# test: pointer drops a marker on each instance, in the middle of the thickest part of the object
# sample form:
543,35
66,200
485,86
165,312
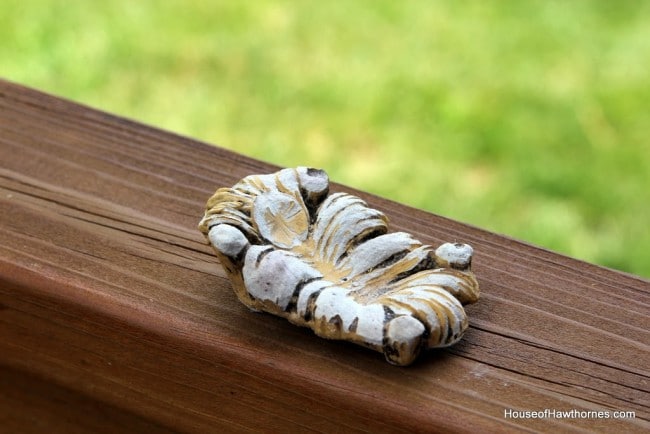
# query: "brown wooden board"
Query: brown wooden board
114,312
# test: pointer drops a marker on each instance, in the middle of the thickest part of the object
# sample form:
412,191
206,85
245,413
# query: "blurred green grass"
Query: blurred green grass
525,118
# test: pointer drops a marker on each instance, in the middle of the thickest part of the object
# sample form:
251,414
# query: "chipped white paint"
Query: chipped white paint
327,262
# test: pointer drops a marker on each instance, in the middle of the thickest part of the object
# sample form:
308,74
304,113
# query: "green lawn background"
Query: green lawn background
525,118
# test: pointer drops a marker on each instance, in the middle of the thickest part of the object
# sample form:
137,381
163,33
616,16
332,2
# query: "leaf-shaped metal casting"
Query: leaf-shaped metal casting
328,262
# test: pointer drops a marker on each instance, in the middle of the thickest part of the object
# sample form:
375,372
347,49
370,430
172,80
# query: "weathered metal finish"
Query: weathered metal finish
328,262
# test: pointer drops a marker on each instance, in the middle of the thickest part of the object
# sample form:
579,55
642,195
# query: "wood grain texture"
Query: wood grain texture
112,303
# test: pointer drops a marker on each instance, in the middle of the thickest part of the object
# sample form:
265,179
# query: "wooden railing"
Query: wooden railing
115,316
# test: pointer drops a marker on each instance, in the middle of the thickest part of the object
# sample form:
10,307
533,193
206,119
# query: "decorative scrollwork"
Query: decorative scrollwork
327,262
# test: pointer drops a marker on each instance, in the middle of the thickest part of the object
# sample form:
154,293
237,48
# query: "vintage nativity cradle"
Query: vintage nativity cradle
327,262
